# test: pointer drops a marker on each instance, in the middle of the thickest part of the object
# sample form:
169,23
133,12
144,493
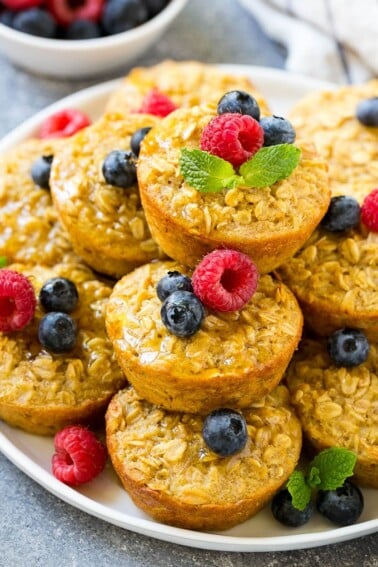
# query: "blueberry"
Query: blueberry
277,130
367,111
182,313
119,169
57,332
82,29
122,15
40,171
285,513
137,138
343,214
35,22
173,281
155,6
6,17
241,102
59,294
342,506
348,347
225,432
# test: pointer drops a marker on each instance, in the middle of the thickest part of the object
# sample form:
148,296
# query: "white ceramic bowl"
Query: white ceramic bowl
85,58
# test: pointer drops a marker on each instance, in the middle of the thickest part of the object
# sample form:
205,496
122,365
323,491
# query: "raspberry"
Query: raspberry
225,280
21,4
63,124
233,137
67,11
157,103
79,456
17,300
369,211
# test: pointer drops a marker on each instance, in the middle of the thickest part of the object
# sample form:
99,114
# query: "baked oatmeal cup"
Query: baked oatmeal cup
233,360
30,232
337,406
185,83
335,279
335,275
41,391
329,120
106,223
171,474
268,224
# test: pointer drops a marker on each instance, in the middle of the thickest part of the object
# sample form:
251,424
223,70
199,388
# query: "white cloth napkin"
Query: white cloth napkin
334,40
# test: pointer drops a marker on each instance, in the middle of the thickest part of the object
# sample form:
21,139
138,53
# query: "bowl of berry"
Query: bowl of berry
81,38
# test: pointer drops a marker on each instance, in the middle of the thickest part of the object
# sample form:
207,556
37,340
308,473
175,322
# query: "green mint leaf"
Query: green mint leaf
3,261
207,173
334,466
270,164
299,490
313,477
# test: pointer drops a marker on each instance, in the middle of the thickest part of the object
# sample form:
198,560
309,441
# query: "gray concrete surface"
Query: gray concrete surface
36,528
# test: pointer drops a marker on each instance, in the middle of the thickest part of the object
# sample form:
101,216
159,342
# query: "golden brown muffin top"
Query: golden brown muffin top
30,375
255,213
238,341
166,450
336,403
30,232
328,119
108,218
186,83
341,269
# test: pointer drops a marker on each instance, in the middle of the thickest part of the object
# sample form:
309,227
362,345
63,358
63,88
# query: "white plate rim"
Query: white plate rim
143,526
172,534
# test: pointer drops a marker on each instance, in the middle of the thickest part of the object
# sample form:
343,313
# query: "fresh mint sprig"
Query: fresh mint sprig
3,261
207,173
211,174
299,490
270,164
327,471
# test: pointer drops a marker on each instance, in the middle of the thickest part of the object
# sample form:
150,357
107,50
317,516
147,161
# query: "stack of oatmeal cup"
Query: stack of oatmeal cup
198,232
